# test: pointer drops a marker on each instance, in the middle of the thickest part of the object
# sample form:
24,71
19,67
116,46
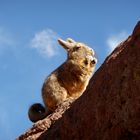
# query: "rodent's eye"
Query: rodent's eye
86,62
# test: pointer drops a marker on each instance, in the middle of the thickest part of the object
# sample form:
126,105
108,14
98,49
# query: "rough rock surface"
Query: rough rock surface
110,107
43,125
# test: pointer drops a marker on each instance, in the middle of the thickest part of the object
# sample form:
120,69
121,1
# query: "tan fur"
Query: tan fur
71,78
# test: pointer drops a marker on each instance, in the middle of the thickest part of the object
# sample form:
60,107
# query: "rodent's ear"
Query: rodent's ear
70,40
66,45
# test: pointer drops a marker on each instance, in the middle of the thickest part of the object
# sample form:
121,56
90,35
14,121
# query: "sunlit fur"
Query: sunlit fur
71,78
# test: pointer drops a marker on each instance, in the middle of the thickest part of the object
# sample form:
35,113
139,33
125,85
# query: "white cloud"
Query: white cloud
45,42
114,40
6,40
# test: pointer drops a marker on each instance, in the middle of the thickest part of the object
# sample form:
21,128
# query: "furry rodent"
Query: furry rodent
68,81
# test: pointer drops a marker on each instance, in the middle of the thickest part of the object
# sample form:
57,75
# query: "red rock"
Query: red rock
110,107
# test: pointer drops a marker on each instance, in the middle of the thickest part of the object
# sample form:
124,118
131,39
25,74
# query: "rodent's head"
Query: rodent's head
80,53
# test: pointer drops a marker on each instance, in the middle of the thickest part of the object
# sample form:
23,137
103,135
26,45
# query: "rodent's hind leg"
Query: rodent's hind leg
53,100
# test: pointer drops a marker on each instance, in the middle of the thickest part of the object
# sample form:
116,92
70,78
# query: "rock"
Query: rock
41,126
110,107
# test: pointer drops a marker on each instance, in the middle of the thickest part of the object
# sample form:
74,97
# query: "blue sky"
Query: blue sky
29,51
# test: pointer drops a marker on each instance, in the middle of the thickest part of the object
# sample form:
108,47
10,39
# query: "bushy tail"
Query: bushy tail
37,112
